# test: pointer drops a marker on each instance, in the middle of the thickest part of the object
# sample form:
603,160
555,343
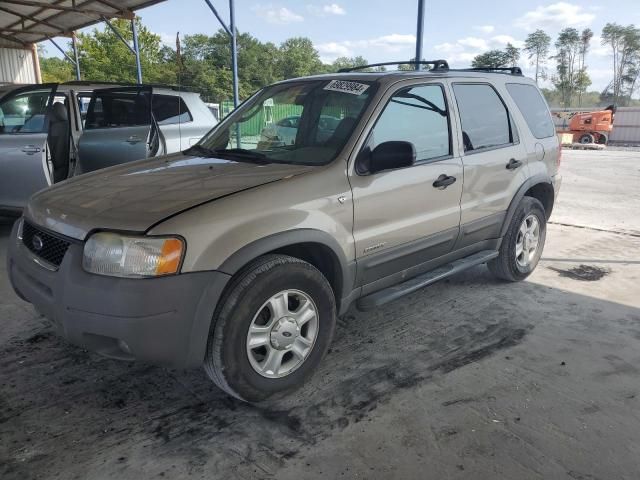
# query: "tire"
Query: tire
509,266
586,139
602,139
248,303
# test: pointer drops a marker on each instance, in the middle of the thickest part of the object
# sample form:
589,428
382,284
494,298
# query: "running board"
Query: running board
389,294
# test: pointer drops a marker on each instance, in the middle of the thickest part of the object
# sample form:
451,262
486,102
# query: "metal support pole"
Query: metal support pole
419,33
61,50
136,49
117,34
74,43
234,52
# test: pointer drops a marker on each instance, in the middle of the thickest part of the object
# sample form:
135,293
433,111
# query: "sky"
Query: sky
455,30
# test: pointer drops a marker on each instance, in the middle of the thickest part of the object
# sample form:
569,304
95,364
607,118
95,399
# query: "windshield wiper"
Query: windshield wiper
239,154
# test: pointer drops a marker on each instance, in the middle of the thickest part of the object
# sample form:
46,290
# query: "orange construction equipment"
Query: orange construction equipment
589,127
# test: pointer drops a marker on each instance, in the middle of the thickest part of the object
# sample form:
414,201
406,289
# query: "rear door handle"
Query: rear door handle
513,164
31,149
134,139
444,181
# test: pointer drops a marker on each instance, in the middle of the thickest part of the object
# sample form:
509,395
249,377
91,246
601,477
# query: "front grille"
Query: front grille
44,245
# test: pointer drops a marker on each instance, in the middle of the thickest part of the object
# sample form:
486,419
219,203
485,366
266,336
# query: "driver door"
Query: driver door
23,140
119,128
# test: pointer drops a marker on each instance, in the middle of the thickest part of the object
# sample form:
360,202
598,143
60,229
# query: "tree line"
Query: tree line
570,75
203,62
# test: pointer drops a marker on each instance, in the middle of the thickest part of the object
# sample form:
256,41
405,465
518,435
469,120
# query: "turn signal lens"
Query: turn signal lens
170,257
116,255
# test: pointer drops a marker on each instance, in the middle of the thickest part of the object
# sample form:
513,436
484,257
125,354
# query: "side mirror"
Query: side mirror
391,155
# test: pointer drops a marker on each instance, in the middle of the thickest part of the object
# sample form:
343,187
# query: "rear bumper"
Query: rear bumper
161,320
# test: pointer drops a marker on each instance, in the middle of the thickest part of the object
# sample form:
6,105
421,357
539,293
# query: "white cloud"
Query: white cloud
484,28
332,50
277,15
463,50
500,41
396,43
328,9
168,39
474,43
598,49
556,15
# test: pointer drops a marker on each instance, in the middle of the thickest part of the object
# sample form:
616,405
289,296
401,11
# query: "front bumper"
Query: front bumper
161,320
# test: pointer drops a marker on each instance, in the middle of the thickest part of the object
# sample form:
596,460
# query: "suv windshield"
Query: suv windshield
305,123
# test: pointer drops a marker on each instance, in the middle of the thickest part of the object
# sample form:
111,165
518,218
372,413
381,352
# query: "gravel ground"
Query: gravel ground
470,378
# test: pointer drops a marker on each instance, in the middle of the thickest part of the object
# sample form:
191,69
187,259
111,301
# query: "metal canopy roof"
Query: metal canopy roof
23,22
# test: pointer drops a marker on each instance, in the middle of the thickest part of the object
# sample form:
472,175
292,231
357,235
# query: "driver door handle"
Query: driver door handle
30,149
134,139
513,164
444,181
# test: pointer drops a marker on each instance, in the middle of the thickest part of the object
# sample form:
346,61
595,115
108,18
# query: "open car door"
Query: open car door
118,128
24,120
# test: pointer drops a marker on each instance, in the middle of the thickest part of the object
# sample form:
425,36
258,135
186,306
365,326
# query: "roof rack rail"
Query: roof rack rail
177,88
437,65
510,70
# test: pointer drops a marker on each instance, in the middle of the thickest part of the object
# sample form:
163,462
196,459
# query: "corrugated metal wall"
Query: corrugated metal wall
626,124
16,66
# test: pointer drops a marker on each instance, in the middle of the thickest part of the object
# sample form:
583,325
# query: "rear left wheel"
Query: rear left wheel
272,328
523,243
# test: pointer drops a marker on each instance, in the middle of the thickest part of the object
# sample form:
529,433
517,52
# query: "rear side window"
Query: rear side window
117,109
418,115
533,108
169,109
484,117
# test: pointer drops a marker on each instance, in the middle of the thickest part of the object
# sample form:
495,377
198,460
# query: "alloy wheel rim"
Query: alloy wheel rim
282,333
527,241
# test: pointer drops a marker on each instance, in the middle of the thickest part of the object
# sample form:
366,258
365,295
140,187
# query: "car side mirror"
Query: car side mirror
391,155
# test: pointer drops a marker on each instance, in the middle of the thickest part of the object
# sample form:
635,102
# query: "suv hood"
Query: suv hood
135,196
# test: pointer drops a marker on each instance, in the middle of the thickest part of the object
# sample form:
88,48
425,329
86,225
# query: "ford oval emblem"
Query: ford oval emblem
37,242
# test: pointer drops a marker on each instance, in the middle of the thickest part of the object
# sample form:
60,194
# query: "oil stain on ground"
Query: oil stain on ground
584,273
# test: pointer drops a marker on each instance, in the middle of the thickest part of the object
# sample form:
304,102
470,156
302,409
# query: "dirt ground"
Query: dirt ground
470,378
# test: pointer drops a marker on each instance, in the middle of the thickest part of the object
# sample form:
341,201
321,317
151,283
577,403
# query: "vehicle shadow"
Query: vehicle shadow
70,412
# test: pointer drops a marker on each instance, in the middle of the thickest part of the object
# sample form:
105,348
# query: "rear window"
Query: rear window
117,109
168,109
484,117
533,108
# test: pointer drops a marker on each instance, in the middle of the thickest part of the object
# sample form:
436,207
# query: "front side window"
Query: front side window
24,112
305,123
168,109
484,117
418,115
533,108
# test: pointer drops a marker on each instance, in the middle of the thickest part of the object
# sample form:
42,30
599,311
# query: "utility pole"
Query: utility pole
419,33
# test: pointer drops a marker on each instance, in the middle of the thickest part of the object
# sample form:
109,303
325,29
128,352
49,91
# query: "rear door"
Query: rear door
494,159
23,138
118,128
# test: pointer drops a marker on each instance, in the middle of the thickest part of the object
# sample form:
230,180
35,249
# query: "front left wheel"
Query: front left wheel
272,328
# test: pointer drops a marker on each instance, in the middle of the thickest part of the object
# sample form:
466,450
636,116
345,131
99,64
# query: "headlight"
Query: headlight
118,255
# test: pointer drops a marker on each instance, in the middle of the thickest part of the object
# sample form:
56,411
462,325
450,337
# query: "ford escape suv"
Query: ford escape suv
238,254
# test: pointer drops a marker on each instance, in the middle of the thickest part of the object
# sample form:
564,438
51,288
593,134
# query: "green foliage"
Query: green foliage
537,47
493,59
56,70
104,57
204,64
624,42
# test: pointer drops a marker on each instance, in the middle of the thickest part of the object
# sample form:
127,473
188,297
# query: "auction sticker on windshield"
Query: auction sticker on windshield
344,86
